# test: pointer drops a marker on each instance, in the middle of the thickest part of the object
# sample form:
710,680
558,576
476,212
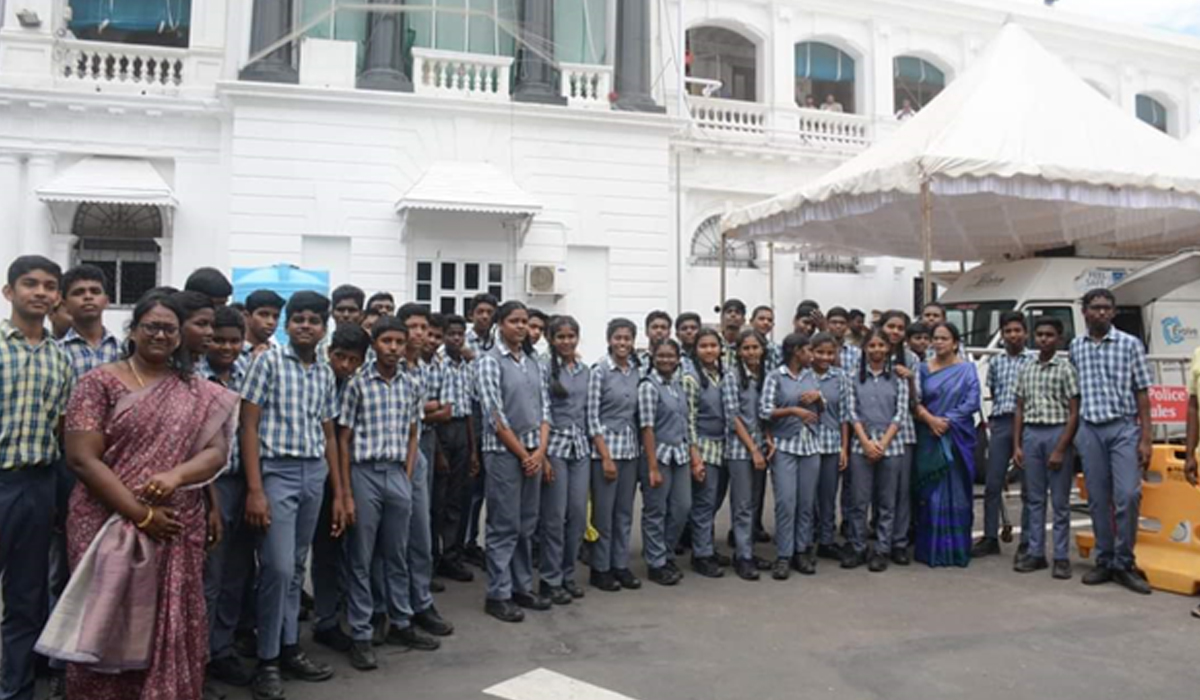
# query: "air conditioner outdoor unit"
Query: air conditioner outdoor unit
544,279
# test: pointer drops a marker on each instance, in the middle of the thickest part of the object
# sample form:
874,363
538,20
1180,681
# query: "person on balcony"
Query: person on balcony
831,104
810,102
906,111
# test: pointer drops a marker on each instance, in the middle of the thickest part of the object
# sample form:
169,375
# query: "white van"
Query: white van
1158,301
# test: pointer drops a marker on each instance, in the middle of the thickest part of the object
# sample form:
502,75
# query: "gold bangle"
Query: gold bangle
146,521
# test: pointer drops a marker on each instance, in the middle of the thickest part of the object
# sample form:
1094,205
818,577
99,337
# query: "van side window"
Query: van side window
1066,314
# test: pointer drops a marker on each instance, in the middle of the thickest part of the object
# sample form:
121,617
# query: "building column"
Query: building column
384,65
37,226
10,201
883,92
272,20
632,65
535,72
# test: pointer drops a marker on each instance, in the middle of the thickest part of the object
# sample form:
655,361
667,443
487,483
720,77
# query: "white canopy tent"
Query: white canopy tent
1016,156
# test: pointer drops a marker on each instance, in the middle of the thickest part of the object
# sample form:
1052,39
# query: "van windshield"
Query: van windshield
978,321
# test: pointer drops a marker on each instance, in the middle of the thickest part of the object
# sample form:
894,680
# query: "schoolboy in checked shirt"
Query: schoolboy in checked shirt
36,378
377,438
288,447
231,561
456,438
1003,371
1045,423
1113,438
420,533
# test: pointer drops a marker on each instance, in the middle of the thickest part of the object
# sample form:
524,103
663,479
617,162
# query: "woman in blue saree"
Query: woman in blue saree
944,469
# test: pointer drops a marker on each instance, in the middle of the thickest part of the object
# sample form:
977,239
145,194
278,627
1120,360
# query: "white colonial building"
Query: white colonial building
539,149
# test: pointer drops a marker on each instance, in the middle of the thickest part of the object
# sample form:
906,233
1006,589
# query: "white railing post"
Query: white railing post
585,85
454,74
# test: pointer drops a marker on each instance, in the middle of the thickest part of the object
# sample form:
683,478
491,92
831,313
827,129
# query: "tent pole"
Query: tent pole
771,271
927,242
724,242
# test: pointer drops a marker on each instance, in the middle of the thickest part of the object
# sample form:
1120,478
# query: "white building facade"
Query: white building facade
540,149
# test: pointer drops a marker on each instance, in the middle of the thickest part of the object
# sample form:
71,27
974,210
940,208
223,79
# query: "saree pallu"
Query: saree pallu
146,432
944,467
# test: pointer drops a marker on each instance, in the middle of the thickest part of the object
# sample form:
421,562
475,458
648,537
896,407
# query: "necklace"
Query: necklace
136,376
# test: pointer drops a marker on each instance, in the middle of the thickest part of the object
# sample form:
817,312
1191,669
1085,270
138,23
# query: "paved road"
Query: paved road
916,633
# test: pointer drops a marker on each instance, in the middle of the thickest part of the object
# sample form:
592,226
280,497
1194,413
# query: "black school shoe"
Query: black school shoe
805,563
556,594
605,581
900,556
455,571
504,610
530,601
268,682
661,575
432,622
413,638
781,570
829,551
879,563
1028,564
762,564
295,663
852,559
1062,569
707,567
745,569
721,559
362,656
626,578
573,588
1132,580
1098,575
985,547
230,671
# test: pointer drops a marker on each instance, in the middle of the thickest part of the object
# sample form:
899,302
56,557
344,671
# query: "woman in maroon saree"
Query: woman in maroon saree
141,434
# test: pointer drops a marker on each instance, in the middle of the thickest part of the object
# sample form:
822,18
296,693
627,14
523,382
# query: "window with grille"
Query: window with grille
121,240
447,286
706,247
837,264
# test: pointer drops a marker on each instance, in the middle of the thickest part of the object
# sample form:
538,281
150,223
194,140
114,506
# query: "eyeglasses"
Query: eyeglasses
1102,308
163,329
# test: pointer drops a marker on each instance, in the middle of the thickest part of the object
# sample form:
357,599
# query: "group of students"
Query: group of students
375,447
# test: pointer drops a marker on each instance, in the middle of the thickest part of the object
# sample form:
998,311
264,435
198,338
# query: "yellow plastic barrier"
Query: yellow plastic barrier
1168,543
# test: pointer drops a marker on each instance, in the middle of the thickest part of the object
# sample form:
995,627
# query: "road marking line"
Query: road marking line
1049,526
544,684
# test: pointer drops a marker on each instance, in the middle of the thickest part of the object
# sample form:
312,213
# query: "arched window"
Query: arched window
706,247
1152,112
720,54
825,74
120,239
916,80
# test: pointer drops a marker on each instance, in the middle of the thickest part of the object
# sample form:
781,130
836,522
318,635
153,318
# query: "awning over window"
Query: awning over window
915,70
110,181
130,15
818,61
470,187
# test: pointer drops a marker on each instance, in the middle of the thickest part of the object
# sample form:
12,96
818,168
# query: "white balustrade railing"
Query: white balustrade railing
586,85
834,129
100,65
449,73
731,116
